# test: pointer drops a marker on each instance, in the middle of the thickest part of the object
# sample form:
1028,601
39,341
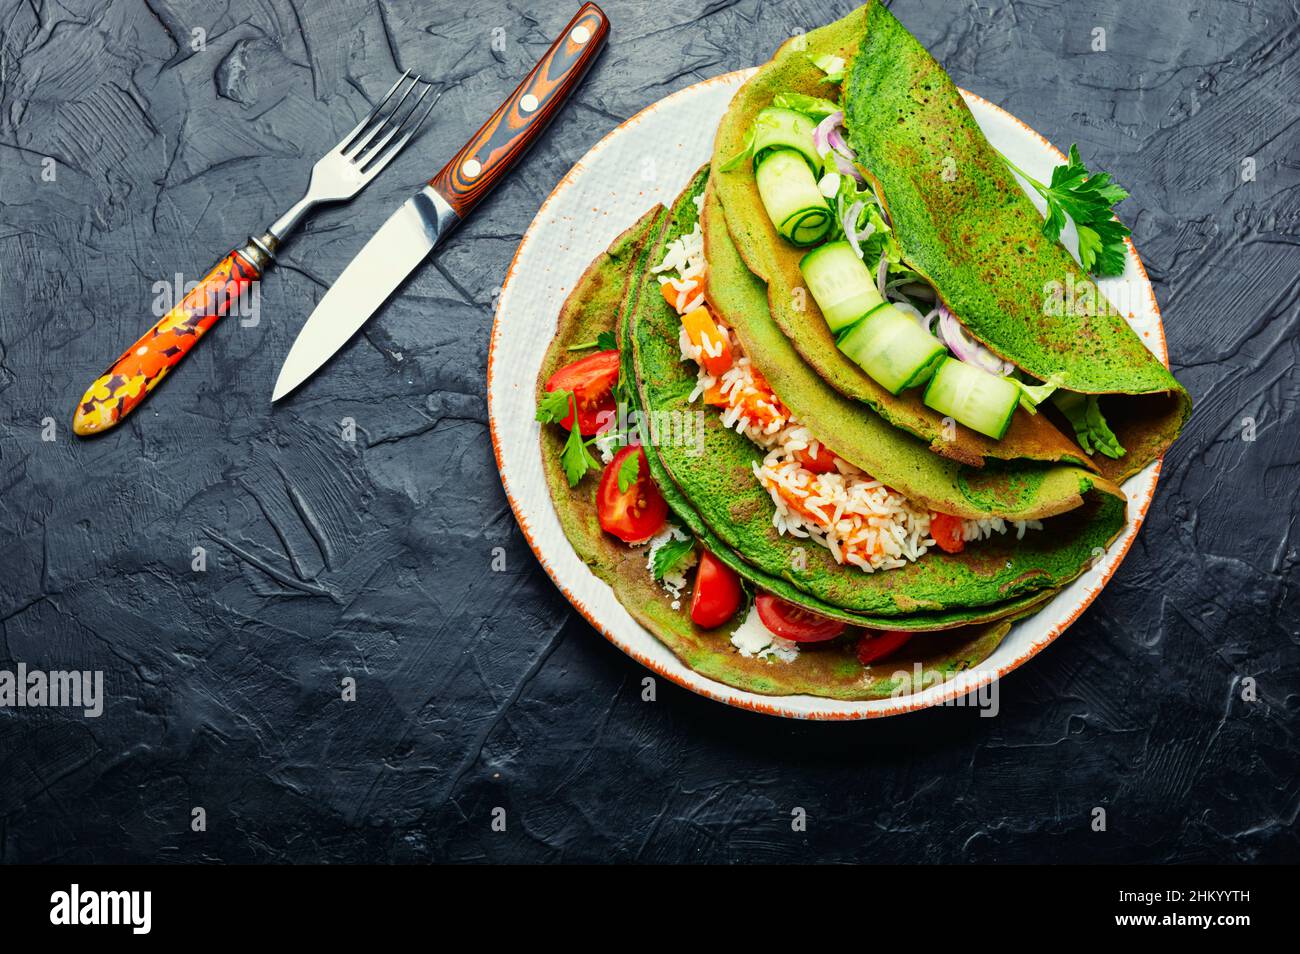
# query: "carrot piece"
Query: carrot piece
699,323
704,334
670,294
713,395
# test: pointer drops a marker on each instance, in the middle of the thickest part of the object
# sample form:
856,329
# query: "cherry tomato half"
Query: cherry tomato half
636,514
874,646
591,380
794,622
946,531
717,592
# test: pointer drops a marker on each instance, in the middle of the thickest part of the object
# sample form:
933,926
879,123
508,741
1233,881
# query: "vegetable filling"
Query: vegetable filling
818,495
817,197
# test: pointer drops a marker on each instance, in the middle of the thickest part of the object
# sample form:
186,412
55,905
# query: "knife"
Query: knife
429,216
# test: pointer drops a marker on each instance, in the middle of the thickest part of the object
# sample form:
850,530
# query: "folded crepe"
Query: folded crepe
1082,511
974,237
960,606
601,301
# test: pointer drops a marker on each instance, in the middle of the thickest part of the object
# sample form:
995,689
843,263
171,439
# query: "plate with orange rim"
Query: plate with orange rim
649,159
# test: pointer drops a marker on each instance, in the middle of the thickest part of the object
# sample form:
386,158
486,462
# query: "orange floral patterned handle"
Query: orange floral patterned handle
120,389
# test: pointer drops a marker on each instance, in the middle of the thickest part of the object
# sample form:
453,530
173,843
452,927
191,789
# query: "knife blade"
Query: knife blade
429,216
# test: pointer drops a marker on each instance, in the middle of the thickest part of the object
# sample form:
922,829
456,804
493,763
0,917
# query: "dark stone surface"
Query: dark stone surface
371,559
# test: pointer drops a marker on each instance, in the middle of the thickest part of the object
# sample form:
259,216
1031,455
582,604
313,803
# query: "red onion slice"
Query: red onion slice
835,138
868,230
966,348
827,138
917,290
847,168
821,135
850,224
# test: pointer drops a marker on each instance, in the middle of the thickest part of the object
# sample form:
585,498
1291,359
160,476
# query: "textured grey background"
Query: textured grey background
481,689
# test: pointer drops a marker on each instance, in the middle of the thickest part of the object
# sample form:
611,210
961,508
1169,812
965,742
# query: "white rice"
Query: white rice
607,445
751,638
746,400
685,257
675,581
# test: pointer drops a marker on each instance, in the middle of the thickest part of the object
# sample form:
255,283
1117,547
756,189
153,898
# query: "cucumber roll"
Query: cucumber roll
981,400
840,283
790,194
892,348
776,128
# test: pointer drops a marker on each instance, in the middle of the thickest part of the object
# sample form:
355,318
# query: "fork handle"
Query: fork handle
127,382
517,124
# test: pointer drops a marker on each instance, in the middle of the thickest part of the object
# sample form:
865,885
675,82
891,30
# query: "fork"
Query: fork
339,175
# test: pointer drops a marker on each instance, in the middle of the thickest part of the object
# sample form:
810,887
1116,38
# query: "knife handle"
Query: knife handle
119,390
516,125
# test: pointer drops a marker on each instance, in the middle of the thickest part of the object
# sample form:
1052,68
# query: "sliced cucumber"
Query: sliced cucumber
776,128
790,194
981,400
841,284
892,348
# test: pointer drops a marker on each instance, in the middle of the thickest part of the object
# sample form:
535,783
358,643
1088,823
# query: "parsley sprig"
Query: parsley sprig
628,471
605,341
554,406
671,555
1087,198
576,460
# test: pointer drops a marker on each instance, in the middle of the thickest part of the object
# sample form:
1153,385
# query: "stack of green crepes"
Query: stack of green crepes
915,198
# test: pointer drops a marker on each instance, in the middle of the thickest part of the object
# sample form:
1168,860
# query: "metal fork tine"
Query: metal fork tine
349,141
376,149
367,141
376,163
391,125
346,169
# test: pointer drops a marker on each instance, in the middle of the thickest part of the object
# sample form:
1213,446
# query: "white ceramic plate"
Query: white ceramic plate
649,159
